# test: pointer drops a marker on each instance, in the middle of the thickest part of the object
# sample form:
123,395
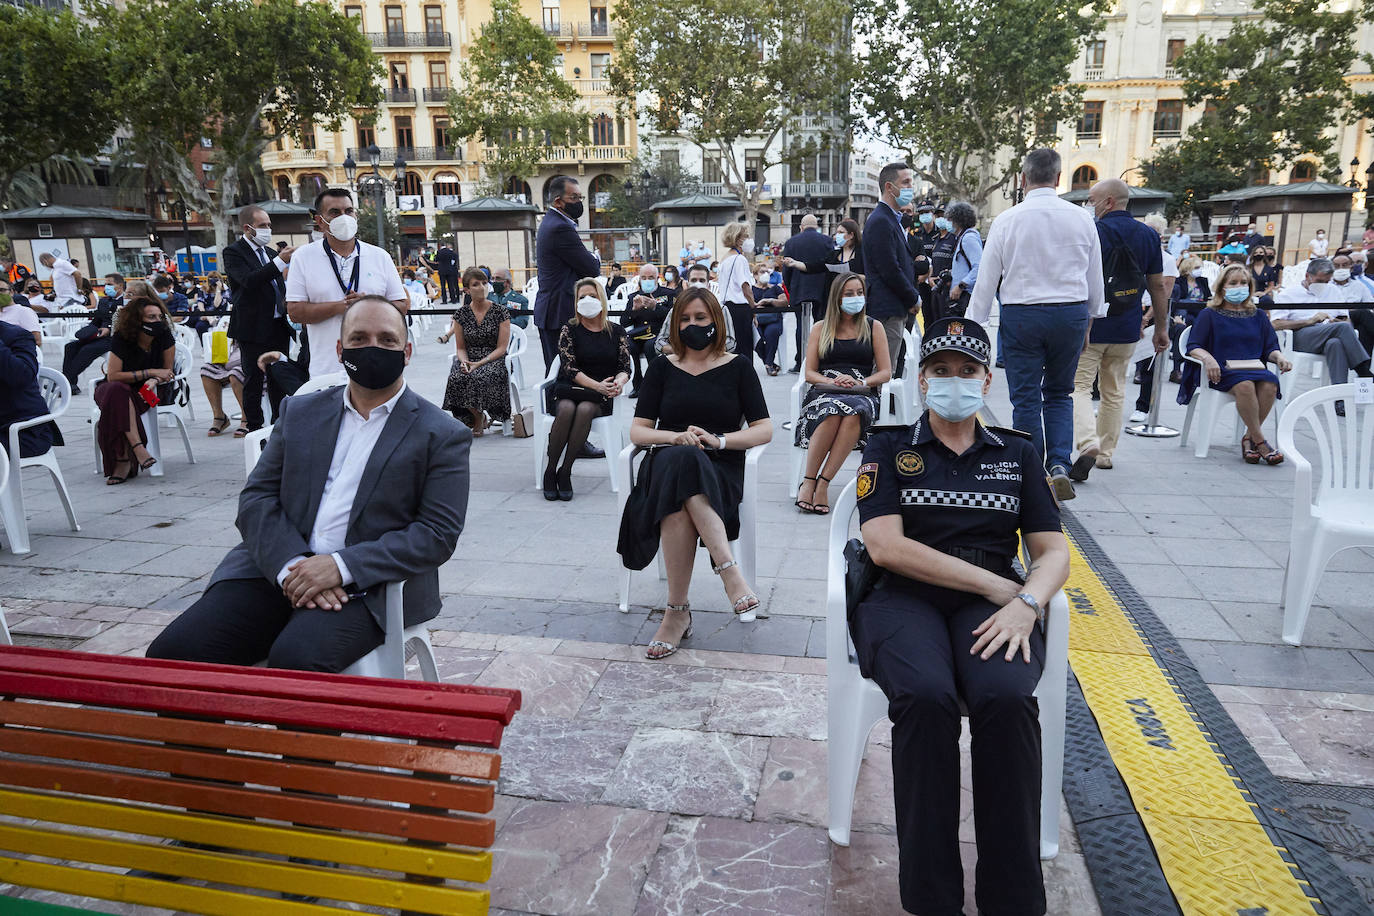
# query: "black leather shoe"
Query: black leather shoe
565,490
550,484
590,451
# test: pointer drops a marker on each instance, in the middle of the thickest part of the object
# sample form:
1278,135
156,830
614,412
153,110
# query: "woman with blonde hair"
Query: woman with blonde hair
593,367
734,279
1233,339
847,361
699,410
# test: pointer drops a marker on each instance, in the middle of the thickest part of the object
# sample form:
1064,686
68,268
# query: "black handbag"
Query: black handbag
860,575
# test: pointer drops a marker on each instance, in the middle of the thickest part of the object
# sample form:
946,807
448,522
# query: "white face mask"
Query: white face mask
343,227
1318,289
747,247
1342,275
589,306
761,279
698,284
263,237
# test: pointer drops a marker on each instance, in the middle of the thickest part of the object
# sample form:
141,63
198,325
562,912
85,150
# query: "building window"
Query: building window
1303,171
308,137
753,159
600,22
438,74
823,165
1168,118
400,75
669,159
395,25
1090,124
600,63
558,65
603,131
1097,53
1262,177
550,8
412,187
710,171
283,188
1172,50
1083,178
441,138
405,132
446,185
620,131
434,20
356,14
367,135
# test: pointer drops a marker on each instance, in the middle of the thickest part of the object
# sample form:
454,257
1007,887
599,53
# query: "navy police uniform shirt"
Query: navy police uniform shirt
978,500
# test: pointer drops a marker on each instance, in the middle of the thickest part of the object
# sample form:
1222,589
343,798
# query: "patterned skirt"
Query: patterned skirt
819,406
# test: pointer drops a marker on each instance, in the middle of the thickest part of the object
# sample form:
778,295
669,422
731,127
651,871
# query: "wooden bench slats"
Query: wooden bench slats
378,692
234,800
243,871
262,771
447,761
382,855
176,896
342,717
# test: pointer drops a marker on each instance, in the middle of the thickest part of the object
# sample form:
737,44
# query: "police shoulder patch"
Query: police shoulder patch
867,479
910,464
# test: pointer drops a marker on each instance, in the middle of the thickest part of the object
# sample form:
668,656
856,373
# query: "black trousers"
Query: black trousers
640,347
448,287
1363,320
79,354
284,378
254,379
742,322
243,621
914,642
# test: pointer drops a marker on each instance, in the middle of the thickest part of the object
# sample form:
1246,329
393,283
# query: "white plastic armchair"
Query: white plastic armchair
1333,509
744,550
1207,401
855,703
57,392
613,431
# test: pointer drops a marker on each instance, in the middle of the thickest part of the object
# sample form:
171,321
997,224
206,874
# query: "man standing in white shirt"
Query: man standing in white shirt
1179,242
327,277
1044,260
66,281
1325,331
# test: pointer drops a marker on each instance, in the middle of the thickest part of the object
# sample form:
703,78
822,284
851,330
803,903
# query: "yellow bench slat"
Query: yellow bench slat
218,831
224,868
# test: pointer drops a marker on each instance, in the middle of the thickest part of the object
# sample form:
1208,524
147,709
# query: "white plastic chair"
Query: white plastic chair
57,392
4,483
1207,401
253,445
744,549
1334,512
321,382
150,424
176,413
531,288
612,430
855,703
1304,363
516,350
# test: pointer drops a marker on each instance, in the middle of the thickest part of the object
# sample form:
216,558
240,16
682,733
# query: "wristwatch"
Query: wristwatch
720,441
1034,605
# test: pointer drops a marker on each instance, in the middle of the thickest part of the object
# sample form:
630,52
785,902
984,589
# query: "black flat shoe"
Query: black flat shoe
550,486
565,490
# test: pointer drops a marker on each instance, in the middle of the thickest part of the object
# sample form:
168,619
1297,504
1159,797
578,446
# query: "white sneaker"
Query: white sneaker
1139,416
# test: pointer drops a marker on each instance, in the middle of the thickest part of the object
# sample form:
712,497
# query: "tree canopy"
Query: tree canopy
651,180
513,98
241,73
56,101
959,83
729,74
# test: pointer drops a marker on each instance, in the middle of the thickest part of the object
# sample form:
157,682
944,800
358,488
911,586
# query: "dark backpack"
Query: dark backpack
1122,279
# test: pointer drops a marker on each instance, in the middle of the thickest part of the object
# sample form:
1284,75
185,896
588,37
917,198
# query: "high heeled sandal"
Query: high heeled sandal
1274,457
804,504
821,508
1248,451
144,465
746,606
668,648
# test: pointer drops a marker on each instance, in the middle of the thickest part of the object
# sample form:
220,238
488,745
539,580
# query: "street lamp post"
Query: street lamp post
648,191
375,185
180,208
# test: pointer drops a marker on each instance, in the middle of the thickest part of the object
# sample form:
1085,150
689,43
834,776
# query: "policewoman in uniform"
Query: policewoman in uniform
940,505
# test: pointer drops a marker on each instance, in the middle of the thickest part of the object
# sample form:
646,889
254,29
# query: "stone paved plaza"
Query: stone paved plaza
697,784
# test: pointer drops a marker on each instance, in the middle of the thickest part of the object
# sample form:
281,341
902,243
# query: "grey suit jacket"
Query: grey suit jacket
406,517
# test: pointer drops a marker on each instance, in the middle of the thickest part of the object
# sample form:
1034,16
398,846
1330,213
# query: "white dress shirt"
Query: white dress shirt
1300,294
1042,251
64,281
352,449
1351,291
312,279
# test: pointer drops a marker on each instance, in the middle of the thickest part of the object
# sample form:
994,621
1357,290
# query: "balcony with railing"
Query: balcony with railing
410,39
297,157
1170,72
816,189
592,88
818,123
389,154
1094,73
400,96
438,95
595,29
564,154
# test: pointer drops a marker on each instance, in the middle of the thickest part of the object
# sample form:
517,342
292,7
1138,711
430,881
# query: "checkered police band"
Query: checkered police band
912,496
978,349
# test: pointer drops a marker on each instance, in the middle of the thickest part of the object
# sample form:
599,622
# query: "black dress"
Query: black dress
113,398
719,400
488,387
598,354
853,358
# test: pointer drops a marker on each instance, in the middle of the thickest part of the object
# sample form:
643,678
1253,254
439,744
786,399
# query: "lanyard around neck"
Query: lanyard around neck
352,285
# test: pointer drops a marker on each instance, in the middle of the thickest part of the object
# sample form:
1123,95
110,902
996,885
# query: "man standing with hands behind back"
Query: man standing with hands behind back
891,270
326,278
257,284
562,260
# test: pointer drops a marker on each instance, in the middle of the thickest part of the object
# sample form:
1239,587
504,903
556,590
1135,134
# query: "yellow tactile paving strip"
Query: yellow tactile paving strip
1216,855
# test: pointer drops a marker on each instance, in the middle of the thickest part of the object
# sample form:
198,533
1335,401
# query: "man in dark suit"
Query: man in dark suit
258,321
93,341
562,260
446,263
891,274
20,397
803,287
359,486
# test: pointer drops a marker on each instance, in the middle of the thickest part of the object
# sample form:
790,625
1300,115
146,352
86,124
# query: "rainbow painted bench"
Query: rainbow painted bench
225,790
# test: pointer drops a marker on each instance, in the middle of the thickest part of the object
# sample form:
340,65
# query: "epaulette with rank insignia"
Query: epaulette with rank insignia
1008,430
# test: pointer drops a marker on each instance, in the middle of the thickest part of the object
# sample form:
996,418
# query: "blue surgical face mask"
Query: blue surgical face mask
942,224
926,219
164,295
954,399
852,305
1236,294
647,286
109,290
905,196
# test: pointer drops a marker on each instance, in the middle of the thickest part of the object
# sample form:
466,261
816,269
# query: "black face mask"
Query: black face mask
573,209
698,336
151,328
907,220
497,286
374,367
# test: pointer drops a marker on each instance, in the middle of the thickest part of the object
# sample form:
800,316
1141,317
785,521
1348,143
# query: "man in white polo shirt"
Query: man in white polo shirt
66,280
327,276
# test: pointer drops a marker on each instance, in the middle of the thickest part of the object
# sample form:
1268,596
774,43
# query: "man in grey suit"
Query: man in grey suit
359,486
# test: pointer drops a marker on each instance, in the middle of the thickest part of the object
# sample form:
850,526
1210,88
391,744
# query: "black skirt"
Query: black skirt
668,477
567,391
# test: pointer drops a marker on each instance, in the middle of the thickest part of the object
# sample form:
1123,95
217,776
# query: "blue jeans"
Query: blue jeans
1042,345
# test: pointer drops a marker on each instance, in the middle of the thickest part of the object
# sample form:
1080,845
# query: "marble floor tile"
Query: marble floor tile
1281,696
573,860
123,639
863,877
689,772
462,666
711,865
1335,744
559,759
59,626
795,787
647,693
770,703
550,685
743,661
1278,755
1069,886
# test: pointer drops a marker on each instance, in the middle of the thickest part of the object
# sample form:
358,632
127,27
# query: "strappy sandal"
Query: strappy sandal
1248,451
1274,457
821,508
746,606
219,426
658,649
805,504
149,462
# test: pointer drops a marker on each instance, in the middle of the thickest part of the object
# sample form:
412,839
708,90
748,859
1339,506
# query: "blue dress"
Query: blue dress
1229,335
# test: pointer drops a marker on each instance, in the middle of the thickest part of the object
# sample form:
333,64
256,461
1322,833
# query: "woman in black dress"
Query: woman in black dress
847,361
593,367
478,384
847,257
699,410
142,353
